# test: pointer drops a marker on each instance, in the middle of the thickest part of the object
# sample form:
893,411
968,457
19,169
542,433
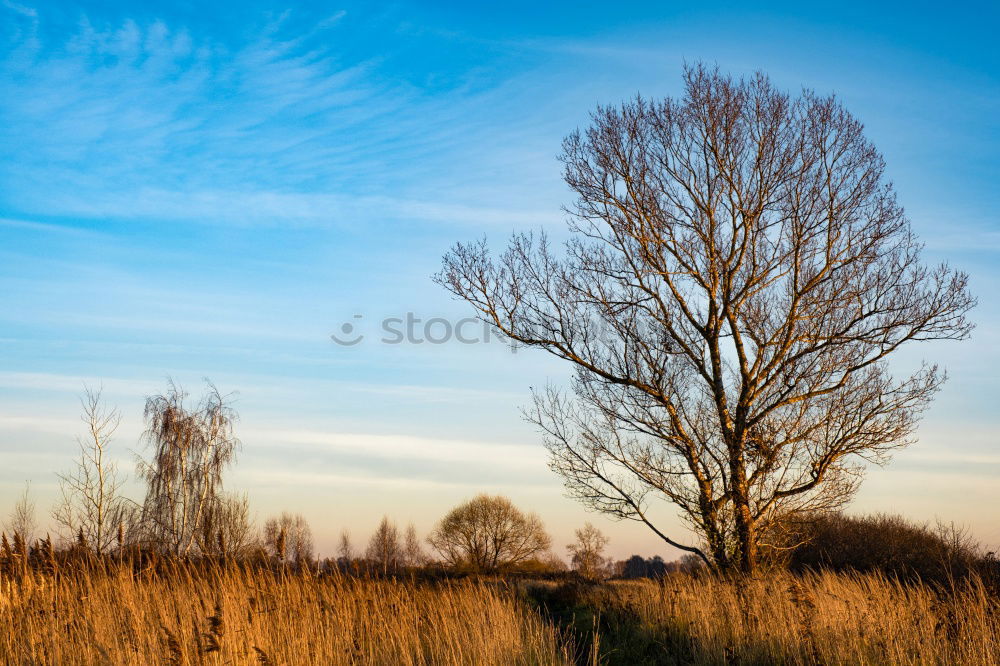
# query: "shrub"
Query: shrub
883,543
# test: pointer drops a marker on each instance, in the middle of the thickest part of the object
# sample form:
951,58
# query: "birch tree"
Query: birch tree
90,503
191,448
384,548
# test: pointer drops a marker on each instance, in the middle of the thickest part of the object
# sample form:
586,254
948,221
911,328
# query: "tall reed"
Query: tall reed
225,615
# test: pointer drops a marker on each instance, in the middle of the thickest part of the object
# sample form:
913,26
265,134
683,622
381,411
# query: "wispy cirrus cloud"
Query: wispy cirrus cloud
152,121
257,207
44,227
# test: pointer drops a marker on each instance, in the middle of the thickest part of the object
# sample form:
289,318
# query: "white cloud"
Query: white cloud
41,424
47,228
68,383
24,10
255,207
293,479
957,457
404,447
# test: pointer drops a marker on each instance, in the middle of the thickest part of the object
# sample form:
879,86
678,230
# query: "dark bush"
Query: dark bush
887,544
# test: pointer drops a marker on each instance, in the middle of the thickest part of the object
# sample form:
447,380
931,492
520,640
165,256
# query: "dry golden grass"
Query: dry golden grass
186,615
259,617
780,619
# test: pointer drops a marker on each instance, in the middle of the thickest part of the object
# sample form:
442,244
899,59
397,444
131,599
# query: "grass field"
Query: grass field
779,619
262,617
227,615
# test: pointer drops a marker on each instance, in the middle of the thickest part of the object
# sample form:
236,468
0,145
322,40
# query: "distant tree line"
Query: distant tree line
187,513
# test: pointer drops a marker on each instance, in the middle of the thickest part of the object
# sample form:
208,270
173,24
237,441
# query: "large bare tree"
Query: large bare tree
738,275
192,446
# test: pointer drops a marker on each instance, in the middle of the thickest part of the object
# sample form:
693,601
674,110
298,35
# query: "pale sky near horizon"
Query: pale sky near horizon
195,190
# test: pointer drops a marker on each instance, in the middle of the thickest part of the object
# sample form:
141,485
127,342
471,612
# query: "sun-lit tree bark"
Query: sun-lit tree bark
738,275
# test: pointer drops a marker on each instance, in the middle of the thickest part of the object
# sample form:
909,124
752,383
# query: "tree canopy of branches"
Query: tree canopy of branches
488,533
90,508
738,275
192,447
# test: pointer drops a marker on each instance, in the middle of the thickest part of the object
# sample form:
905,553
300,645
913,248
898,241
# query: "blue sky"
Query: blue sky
211,190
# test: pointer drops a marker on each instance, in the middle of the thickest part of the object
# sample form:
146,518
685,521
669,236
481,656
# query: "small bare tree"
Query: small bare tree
227,529
413,552
192,447
489,533
21,522
90,503
384,549
587,552
289,536
345,549
738,277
